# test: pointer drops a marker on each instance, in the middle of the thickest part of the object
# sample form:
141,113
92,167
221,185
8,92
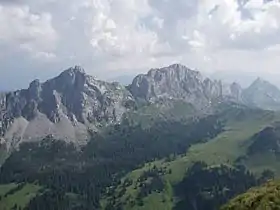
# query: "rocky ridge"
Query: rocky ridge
179,82
71,104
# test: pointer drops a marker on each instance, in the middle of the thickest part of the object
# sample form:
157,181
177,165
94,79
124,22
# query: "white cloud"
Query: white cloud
28,31
116,27
117,36
227,28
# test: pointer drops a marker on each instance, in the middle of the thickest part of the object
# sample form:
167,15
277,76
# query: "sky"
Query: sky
111,38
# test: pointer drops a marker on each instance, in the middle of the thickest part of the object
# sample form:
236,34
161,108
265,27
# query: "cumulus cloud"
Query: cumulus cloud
22,29
116,27
121,36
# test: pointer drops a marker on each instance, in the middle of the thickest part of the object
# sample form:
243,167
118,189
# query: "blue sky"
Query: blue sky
40,38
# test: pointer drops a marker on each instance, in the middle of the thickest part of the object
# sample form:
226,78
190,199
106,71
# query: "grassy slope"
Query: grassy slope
260,162
225,148
21,197
266,197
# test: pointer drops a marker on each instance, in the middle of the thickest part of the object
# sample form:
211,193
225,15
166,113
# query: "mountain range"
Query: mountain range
173,139
74,103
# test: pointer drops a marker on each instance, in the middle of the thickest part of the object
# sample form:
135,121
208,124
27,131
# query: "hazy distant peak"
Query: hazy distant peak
258,80
263,84
263,94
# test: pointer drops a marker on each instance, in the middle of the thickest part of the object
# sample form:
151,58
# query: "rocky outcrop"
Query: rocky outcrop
236,92
66,107
232,92
179,82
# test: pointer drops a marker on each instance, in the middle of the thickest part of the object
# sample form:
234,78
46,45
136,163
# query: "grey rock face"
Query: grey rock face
262,94
179,82
66,106
236,91
173,81
233,92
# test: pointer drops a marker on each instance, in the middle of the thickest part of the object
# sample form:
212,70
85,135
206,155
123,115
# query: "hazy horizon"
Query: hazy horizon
244,79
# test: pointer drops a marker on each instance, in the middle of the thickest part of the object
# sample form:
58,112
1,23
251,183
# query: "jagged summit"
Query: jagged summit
35,83
66,106
73,72
70,76
178,69
177,82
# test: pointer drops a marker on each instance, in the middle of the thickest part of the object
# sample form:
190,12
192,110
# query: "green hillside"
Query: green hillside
264,150
14,196
266,197
141,163
227,147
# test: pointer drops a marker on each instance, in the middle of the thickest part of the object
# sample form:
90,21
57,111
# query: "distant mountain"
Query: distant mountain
66,106
262,94
243,78
149,145
179,82
73,103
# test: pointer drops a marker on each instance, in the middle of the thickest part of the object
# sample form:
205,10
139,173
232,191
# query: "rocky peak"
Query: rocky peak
176,71
176,82
74,77
35,89
88,99
236,91
73,71
263,86
261,83
34,84
262,94
64,106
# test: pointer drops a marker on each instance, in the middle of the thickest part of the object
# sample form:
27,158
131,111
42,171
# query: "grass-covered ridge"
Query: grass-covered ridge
266,197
